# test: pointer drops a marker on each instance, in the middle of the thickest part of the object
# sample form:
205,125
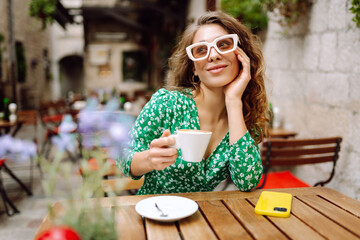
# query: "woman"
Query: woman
215,83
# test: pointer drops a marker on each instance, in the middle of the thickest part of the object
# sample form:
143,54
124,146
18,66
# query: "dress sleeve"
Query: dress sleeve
245,163
150,124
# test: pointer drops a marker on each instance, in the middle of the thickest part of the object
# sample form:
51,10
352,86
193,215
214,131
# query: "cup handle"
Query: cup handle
176,145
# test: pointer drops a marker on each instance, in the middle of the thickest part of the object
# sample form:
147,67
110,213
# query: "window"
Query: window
133,66
20,61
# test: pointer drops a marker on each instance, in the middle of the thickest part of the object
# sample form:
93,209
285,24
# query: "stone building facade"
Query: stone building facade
314,80
35,43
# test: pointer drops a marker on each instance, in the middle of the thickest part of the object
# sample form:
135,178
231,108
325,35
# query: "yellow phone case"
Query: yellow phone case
275,204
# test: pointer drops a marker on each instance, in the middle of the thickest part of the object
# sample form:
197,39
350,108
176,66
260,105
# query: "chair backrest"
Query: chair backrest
29,117
292,152
52,112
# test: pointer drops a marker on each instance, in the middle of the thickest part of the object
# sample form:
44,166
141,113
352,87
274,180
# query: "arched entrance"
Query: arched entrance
71,74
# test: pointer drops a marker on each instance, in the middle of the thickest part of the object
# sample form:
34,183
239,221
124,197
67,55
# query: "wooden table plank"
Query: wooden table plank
292,226
259,226
196,227
323,225
332,211
347,203
221,220
161,230
129,224
208,196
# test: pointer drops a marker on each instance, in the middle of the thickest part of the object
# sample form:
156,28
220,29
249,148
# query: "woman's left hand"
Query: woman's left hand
235,89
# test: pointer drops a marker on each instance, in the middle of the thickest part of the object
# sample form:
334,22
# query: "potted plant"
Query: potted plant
43,10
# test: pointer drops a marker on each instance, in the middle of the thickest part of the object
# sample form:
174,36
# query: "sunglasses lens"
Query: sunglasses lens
226,44
199,51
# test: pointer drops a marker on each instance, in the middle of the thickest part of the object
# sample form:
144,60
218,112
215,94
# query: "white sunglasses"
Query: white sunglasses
201,50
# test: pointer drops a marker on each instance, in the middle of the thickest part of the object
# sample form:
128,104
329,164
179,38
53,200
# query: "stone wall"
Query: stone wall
314,73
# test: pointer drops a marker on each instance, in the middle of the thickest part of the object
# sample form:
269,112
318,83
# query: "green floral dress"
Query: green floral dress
176,110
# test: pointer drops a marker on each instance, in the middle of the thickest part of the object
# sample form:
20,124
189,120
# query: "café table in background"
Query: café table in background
317,213
6,126
281,133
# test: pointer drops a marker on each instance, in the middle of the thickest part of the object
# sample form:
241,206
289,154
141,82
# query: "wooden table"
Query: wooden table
281,133
317,213
5,126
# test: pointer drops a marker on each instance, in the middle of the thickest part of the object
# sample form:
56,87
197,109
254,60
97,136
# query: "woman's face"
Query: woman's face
217,70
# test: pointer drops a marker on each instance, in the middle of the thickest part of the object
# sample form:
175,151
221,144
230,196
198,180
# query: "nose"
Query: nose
214,55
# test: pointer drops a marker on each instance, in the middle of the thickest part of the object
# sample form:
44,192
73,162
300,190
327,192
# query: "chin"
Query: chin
217,85
217,81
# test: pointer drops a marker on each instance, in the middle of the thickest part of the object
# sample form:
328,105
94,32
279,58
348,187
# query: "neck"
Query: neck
210,104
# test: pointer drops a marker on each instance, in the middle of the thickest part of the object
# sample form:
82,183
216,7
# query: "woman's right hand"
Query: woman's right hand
161,155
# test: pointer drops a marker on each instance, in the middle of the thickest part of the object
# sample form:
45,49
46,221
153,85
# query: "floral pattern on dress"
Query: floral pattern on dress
177,110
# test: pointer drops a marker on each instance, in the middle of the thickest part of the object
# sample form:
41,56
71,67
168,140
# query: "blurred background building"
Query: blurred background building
24,57
91,46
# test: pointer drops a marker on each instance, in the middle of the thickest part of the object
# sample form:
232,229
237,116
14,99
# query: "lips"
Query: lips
216,68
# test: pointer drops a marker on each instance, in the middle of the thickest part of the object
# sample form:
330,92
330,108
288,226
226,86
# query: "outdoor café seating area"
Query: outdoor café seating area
244,119
281,149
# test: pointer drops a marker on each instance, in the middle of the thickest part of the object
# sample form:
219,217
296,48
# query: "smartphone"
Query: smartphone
275,204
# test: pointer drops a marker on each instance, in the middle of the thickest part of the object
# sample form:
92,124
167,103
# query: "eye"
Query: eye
225,44
201,49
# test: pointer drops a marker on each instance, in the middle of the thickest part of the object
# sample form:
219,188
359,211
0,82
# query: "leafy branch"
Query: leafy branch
250,12
288,12
43,10
355,9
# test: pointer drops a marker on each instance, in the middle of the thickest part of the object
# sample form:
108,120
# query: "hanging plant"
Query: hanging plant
250,12
288,12
355,9
43,10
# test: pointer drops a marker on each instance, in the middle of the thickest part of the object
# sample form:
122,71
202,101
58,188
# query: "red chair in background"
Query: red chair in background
294,152
51,114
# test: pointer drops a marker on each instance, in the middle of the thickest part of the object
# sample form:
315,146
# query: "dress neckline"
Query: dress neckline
224,139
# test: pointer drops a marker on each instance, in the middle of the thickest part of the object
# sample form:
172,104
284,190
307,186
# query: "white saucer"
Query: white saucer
175,207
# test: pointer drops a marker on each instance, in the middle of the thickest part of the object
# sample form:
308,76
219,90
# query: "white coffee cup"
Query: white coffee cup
193,143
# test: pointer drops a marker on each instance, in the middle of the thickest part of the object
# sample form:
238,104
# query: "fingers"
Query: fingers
161,155
161,158
243,58
245,61
166,133
162,163
163,141
163,152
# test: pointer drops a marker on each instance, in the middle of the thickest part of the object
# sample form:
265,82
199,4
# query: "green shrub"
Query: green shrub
250,12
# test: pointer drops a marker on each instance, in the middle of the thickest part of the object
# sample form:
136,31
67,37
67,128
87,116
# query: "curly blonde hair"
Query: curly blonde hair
180,75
